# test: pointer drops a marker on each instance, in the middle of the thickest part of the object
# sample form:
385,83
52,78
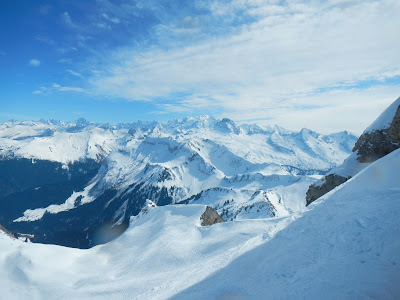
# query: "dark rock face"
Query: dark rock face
330,182
394,129
378,143
210,217
374,145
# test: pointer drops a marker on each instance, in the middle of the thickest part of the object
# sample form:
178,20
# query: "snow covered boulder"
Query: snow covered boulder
210,217
379,139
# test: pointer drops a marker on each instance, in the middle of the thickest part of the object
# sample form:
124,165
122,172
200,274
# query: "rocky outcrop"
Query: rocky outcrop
372,145
210,217
317,190
394,129
377,143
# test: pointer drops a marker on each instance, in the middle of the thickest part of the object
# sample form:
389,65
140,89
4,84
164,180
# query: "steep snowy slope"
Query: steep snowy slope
346,246
97,174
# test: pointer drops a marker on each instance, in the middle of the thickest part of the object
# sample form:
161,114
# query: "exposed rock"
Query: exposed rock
372,145
378,143
394,129
317,190
210,217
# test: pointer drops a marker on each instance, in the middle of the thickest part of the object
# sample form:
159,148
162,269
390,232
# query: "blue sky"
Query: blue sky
326,65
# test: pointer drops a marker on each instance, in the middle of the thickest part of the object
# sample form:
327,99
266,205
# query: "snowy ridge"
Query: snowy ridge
343,247
385,118
68,142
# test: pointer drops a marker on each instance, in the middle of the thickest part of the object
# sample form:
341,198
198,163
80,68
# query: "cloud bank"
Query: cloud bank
300,63
306,58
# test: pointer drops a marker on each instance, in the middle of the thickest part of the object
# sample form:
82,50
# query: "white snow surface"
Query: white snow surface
350,167
345,246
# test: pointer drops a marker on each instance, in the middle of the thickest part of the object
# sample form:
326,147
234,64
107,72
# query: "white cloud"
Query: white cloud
349,109
288,58
70,89
67,19
56,88
65,61
34,62
74,73
111,19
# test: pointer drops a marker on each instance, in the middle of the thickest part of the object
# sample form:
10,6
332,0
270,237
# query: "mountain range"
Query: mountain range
344,245
77,184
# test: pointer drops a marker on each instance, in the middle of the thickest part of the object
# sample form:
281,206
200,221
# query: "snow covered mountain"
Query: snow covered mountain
345,246
77,184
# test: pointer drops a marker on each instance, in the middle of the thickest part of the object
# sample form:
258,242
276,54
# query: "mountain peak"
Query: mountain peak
82,122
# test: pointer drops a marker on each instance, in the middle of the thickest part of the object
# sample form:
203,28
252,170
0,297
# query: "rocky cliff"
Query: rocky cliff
377,143
378,140
329,183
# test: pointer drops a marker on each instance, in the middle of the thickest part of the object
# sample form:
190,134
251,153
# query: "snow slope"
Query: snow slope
346,246
162,252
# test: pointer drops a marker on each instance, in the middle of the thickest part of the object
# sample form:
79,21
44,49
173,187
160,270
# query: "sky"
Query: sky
327,65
